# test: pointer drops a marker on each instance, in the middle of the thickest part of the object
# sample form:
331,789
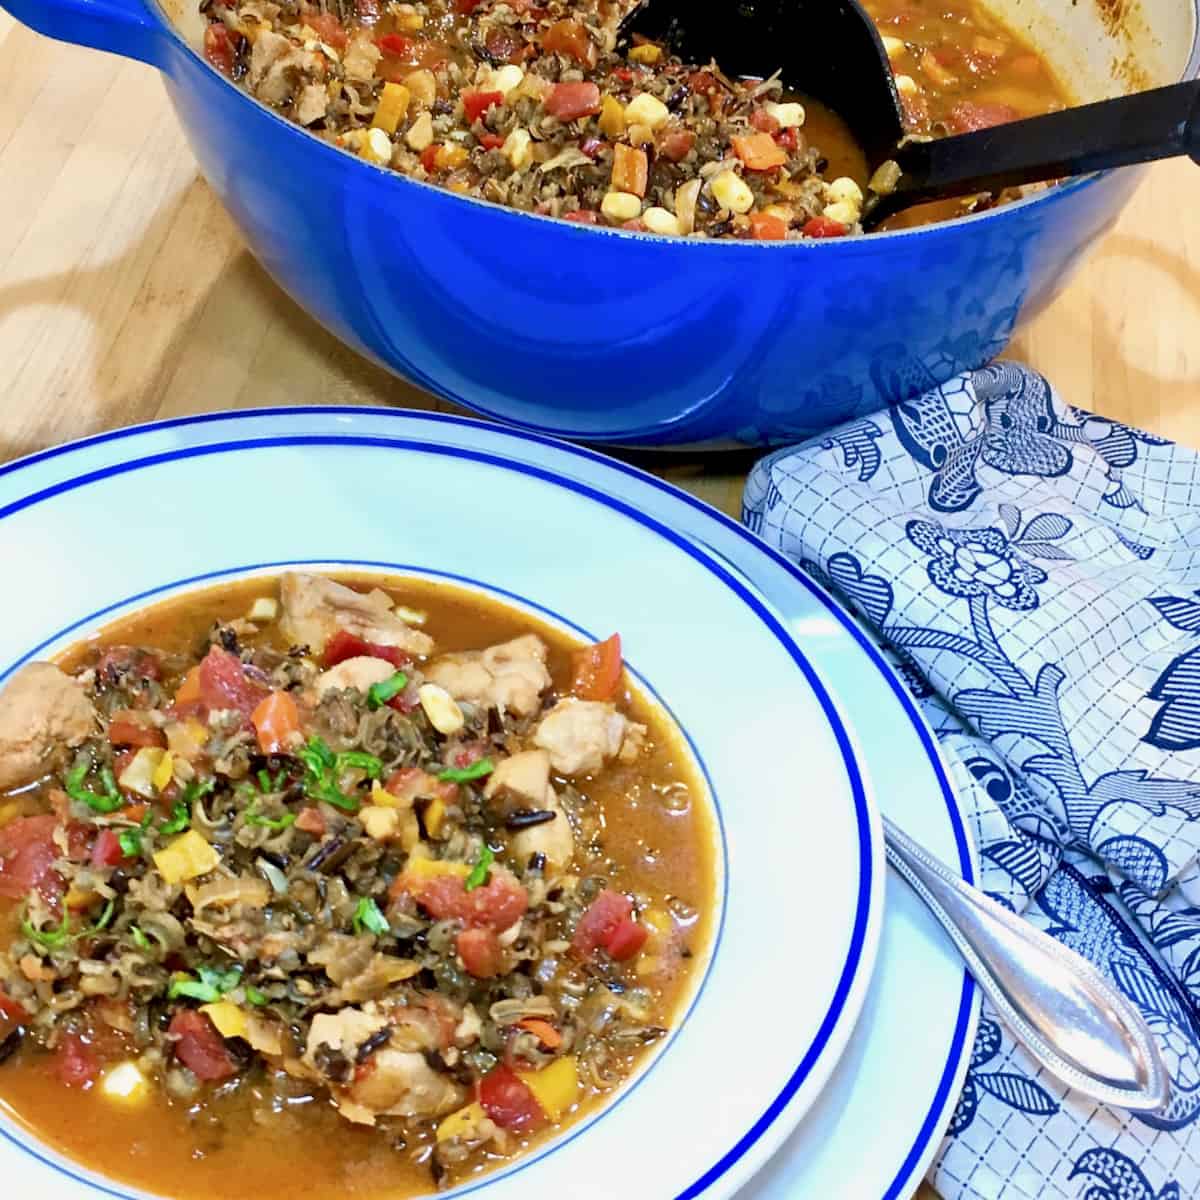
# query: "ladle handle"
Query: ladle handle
1162,123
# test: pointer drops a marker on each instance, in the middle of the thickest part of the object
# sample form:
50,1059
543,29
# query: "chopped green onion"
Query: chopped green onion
479,872
179,819
360,759
105,917
378,694
209,988
107,802
316,756
255,997
322,764
368,916
477,770
264,780
140,940
50,939
130,841
330,793
254,817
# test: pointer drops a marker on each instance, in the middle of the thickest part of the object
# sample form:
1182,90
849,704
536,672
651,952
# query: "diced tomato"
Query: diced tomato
703,82
758,151
470,753
311,821
106,850
504,44
396,44
496,905
583,216
763,121
491,141
476,103
429,157
412,783
608,924
367,10
509,1102
119,662
199,1047
328,28
466,6
219,47
789,139
128,729
570,101
345,645
122,759
634,225
916,110
10,1010
570,38
677,144
767,227
596,669
75,1062
968,116
624,74
276,720
480,952
824,227
626,940
224,683
27,854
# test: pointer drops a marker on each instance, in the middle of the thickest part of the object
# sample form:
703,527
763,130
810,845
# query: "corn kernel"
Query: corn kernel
894,47
906,85
647,53
844,188
789,116
781,211
506,79
640,135
621,206
227,1017
435,816
645,109
164,772
441,708
658,220
381,824
518,148
265,608
420,135
187,857
612,117
141,772
377,147
125,1084
842,211
422,85
731,191
451,155
408,18
393,104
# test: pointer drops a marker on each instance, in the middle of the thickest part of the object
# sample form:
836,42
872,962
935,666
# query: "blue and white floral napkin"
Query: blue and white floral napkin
1036,570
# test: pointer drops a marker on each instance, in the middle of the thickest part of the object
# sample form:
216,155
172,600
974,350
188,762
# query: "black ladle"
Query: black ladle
831,50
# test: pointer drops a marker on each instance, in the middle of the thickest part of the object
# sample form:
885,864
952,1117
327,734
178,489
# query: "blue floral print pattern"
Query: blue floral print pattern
1033,572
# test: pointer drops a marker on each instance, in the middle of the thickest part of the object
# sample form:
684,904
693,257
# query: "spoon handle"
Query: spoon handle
1059,1006
1161,123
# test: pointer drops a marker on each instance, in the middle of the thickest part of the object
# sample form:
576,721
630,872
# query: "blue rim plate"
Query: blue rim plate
113,522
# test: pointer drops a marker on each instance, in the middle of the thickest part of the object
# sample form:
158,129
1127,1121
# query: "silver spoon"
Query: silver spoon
1060,1007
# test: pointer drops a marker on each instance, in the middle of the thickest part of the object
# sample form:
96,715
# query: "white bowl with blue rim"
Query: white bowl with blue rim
113,523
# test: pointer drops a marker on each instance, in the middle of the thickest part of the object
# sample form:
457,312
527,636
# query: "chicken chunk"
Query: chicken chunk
357,673
582,735
315,608
312,103
274,64
341,1032
520,781
400,1083
41,710
510,676
554,839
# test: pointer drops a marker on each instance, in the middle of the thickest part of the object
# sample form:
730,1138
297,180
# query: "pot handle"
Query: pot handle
126,27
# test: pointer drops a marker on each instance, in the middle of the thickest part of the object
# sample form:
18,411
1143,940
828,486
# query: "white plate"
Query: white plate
115,521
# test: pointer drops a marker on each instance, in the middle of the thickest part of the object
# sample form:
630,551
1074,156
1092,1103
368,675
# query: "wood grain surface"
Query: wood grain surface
126,294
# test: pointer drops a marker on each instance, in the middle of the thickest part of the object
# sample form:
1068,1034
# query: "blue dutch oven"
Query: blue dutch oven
607,336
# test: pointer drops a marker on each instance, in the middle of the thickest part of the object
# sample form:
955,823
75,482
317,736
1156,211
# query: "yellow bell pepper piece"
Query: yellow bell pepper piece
227,1017
188,857
435,816
646,53
435,868
612,117
393,104
460,1123
142,770
164,772
556,1087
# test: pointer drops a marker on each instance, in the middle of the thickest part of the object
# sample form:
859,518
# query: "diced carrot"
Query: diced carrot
189,689
631,169
276,720
767,227
597,669
759,151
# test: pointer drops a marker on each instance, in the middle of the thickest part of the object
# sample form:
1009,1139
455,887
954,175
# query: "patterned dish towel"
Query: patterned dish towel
1035,572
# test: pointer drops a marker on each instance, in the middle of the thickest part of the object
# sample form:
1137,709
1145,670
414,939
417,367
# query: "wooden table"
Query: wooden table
126,293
